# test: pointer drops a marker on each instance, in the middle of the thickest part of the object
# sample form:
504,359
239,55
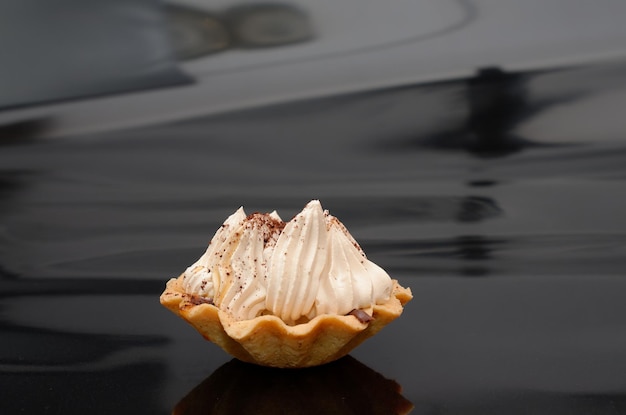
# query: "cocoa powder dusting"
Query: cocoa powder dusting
269,226
333,221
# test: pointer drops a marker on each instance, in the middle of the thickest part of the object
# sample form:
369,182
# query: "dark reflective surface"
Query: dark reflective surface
345,386
516,260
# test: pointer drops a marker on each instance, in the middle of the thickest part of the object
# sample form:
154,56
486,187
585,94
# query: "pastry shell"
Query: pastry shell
268,341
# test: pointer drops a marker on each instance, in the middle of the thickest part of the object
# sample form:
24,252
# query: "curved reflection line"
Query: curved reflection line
469,15
344,386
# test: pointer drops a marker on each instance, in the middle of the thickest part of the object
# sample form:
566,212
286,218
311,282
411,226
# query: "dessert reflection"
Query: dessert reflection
345,386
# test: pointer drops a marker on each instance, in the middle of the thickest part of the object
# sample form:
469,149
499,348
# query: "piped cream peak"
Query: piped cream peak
258,264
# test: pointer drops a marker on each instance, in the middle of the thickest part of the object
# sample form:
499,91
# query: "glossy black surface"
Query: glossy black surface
499,200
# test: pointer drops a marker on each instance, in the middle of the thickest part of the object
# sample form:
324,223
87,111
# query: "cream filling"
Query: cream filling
309,266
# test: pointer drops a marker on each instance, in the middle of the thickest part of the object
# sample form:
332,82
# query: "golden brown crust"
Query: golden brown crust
268,341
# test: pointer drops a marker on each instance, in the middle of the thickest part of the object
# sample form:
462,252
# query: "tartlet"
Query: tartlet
294,294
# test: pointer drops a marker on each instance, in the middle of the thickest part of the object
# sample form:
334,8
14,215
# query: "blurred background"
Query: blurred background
193,58
475,149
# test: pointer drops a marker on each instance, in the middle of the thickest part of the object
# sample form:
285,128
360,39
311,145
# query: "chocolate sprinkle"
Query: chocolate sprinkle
361,315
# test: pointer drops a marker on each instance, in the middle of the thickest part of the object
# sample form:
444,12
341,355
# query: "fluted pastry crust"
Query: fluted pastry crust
267,340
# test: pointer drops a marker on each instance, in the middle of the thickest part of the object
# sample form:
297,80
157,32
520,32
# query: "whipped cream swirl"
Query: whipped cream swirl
311,265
